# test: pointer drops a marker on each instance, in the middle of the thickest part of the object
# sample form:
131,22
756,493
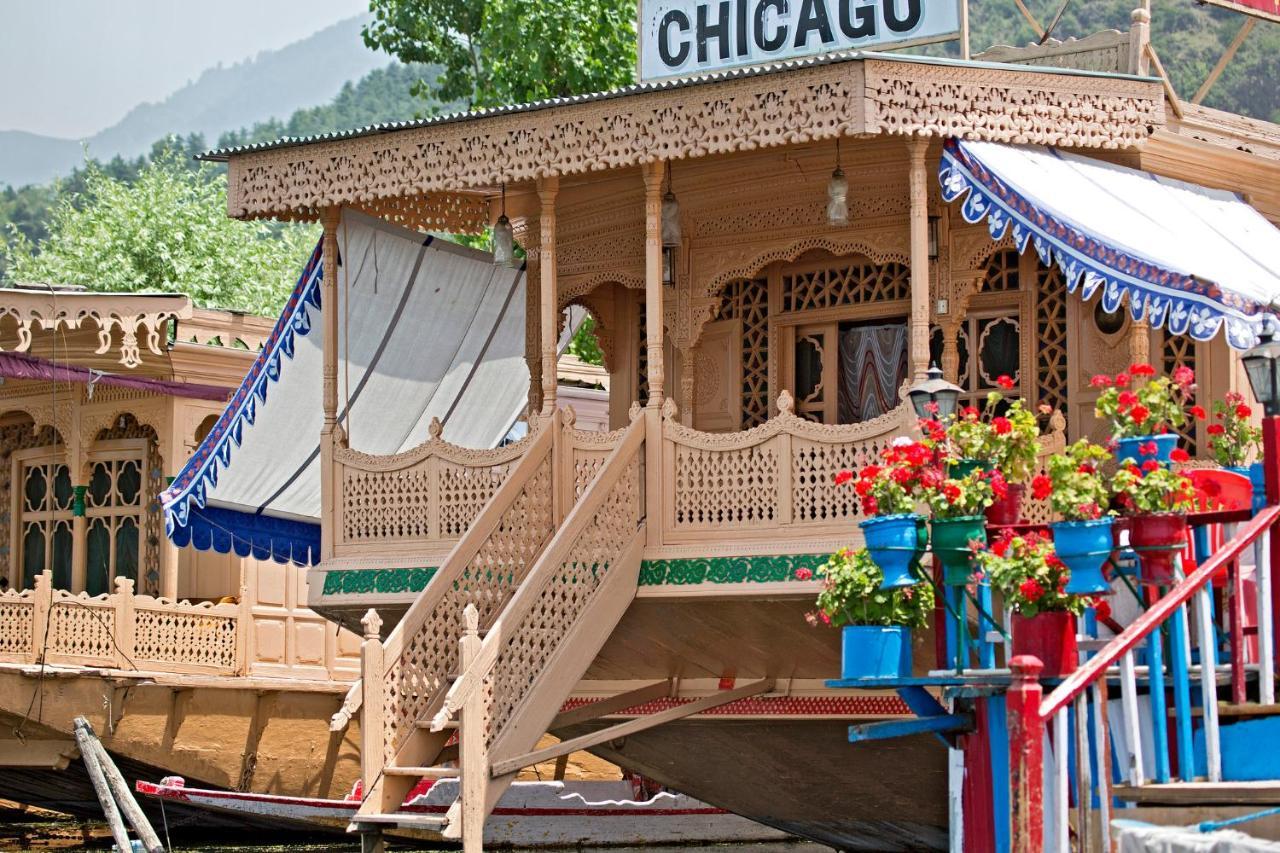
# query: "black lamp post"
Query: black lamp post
935,397
1262,364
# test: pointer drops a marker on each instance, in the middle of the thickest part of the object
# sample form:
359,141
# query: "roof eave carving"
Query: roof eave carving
440,168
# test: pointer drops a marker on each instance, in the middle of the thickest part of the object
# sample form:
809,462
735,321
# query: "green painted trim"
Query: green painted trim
756,569
375,581
77,500
679,572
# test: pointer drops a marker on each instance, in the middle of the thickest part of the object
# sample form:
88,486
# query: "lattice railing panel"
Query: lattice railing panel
378,505
748,300
187,635
82,629
735,487
463,493
814,493
418,676
16,624
564,595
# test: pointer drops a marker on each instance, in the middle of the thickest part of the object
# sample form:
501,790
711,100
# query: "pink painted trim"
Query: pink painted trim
18,366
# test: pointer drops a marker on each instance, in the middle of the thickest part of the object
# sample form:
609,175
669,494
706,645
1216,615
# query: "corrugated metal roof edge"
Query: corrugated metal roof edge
225,154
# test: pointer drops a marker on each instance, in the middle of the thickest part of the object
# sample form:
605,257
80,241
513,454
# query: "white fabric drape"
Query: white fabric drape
873,365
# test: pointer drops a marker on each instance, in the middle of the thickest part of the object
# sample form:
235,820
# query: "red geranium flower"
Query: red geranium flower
804,574
1179,455
1031,589
1139,414
1147,448
1243,411
1005,381
1041,487
1002,425
1100,380
1149,466
1122,379
1126,399
1184,376
843,476
1198,413
1142,370
1215,429
951,491
1102,608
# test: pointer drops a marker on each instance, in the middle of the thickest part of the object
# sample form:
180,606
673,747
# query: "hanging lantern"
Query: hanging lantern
670,216
838,195
504,254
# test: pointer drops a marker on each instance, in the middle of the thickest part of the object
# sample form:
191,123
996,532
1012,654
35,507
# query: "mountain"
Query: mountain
274,83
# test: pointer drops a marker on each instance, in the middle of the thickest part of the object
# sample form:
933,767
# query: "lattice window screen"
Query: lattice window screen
1179,351
748,300
642,359
15,437
1051,339
857,283
1002,273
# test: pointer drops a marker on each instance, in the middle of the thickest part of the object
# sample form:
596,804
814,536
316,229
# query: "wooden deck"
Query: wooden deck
1203,793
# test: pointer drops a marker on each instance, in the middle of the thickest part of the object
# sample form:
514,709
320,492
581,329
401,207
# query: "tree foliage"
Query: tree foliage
496,52
167,230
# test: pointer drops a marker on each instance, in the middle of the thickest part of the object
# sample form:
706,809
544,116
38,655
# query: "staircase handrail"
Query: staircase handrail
556,552
1093,669
536,447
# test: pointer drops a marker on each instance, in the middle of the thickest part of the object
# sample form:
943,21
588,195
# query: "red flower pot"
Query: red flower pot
1051,637
1007,511
1158,538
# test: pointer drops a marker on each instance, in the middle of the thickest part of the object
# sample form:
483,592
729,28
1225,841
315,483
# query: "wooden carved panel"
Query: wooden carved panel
717,364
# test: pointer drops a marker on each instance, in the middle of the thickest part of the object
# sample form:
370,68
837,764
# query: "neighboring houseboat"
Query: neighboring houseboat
758,337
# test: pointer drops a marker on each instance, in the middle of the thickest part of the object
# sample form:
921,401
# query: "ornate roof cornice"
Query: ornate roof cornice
445,163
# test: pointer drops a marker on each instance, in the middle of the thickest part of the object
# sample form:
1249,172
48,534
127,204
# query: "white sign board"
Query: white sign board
679,37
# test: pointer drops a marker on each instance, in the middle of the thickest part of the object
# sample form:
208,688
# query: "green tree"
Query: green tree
495,52
165,231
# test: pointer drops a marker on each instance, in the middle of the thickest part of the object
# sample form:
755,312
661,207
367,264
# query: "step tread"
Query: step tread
1203,793
405,819
435,772
426,724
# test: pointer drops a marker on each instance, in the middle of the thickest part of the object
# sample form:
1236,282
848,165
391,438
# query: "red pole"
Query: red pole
1271,470
1026,755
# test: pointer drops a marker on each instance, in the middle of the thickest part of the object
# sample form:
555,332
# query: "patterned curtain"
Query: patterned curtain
873,366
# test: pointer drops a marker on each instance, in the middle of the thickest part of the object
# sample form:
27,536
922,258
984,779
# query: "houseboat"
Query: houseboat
771,256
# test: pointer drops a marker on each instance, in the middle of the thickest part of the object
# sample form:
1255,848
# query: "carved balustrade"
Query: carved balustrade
428,495
773,481
124,631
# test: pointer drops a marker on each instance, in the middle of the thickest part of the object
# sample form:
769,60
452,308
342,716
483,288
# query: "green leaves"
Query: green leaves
167,231
497,52
851,595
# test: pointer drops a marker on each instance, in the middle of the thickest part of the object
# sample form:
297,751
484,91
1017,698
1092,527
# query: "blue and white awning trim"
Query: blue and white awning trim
1184,257
187,519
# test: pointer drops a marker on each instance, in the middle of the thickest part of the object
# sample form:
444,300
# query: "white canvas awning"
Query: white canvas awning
1187,258
427,329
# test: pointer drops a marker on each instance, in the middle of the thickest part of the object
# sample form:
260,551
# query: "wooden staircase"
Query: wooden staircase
517,650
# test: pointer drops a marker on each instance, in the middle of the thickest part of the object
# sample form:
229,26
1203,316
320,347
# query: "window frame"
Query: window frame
48,456
113,451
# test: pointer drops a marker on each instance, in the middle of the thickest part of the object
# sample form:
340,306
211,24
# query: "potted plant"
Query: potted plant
875,622
1031,579
894,532
1078,494
958,504
1233,437
1000,438
1158,499
1143,410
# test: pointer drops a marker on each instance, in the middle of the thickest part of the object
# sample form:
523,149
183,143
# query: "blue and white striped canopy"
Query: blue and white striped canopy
1184,257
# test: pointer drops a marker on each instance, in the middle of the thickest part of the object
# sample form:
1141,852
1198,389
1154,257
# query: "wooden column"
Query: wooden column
329,374
919,327
371,714
653,310
533,315
1026,756
548,315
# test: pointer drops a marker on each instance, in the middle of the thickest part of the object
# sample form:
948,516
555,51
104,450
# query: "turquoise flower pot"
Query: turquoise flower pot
894,544
951,538
1128,448
1084,547
875,651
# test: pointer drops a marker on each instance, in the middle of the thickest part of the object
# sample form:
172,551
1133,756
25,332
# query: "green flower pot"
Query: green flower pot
961,468
951,538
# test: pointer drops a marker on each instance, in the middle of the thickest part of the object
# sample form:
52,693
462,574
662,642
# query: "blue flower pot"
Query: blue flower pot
875,651
1084,547
1127,448
893,542
1257,479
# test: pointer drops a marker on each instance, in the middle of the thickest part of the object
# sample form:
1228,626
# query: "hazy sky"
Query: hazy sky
72,67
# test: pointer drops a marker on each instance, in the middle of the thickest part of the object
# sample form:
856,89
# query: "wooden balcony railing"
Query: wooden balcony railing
128,632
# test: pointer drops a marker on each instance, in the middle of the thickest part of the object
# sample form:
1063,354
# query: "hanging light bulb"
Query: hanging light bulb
838,195
670,216
504,254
